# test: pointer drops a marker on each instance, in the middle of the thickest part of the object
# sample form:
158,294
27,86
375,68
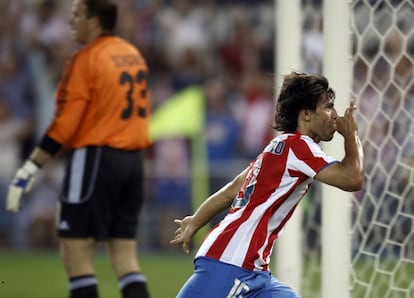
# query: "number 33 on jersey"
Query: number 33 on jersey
103,97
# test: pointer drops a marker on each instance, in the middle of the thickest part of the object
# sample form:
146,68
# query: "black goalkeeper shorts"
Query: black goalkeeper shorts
102,194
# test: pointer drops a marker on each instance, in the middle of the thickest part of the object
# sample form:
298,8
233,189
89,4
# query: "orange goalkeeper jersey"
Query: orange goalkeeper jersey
102,98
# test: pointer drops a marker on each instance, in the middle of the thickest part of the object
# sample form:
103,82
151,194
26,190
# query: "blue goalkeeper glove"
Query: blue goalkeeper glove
22,184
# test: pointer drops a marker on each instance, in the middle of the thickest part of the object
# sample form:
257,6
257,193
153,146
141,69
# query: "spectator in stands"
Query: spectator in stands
222,132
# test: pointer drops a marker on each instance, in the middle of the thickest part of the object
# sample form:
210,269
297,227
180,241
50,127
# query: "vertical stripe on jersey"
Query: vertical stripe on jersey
243,228
77,169
304,154
274,220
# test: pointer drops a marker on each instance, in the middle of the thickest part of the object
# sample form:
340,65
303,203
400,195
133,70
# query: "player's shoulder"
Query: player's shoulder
298,137
107,47
102,43
293,137
298,141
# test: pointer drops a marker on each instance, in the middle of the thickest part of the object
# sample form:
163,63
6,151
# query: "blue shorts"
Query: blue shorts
212,278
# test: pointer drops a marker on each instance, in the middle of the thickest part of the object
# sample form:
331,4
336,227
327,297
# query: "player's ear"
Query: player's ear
305,114
94,23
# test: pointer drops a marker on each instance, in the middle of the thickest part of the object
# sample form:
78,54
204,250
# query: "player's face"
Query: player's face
79,22
323,121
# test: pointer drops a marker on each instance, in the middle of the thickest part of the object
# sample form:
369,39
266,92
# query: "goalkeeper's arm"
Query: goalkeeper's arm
25,176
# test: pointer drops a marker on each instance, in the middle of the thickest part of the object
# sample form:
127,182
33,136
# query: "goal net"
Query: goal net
383,213
382,229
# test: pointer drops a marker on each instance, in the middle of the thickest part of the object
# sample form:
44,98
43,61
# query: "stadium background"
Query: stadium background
226,48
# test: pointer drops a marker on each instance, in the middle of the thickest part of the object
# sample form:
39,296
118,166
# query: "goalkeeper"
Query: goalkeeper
101,118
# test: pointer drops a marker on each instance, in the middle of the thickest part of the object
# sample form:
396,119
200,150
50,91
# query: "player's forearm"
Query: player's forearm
354,160
40,156
215,204
218,202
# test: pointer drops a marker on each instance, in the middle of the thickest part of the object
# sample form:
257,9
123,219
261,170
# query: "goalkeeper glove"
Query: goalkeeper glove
22,183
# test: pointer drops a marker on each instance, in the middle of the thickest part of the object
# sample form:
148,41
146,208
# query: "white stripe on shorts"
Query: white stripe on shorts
76,175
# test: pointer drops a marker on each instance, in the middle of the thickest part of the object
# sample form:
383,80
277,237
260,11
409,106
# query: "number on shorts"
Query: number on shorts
238,289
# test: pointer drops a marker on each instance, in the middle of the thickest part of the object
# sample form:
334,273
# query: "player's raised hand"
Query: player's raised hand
347,125
184,233
22,183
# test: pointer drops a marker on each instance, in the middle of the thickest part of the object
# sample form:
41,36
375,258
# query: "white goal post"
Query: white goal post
336,212
288,30
336,243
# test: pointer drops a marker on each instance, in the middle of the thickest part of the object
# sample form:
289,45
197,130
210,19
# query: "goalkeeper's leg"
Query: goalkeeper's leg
77,256
132,282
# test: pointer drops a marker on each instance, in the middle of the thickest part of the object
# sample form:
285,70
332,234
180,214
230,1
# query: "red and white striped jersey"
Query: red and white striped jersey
275,183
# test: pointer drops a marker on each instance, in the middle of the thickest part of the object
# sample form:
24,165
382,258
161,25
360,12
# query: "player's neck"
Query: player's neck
95,33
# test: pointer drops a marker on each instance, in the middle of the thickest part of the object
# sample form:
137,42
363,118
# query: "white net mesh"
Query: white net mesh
383,212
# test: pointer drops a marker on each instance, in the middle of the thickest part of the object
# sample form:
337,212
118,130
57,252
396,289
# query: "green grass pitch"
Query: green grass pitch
41,275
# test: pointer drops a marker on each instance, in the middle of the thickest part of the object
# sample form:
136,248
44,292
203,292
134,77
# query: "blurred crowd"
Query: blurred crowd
226,47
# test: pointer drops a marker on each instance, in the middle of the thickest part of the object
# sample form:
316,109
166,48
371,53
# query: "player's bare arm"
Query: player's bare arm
216,203
349,173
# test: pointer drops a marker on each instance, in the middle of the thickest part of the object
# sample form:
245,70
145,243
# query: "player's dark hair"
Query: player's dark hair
299,91
105,10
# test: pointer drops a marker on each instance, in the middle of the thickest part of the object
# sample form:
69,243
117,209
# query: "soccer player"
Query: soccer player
233,260
101,118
